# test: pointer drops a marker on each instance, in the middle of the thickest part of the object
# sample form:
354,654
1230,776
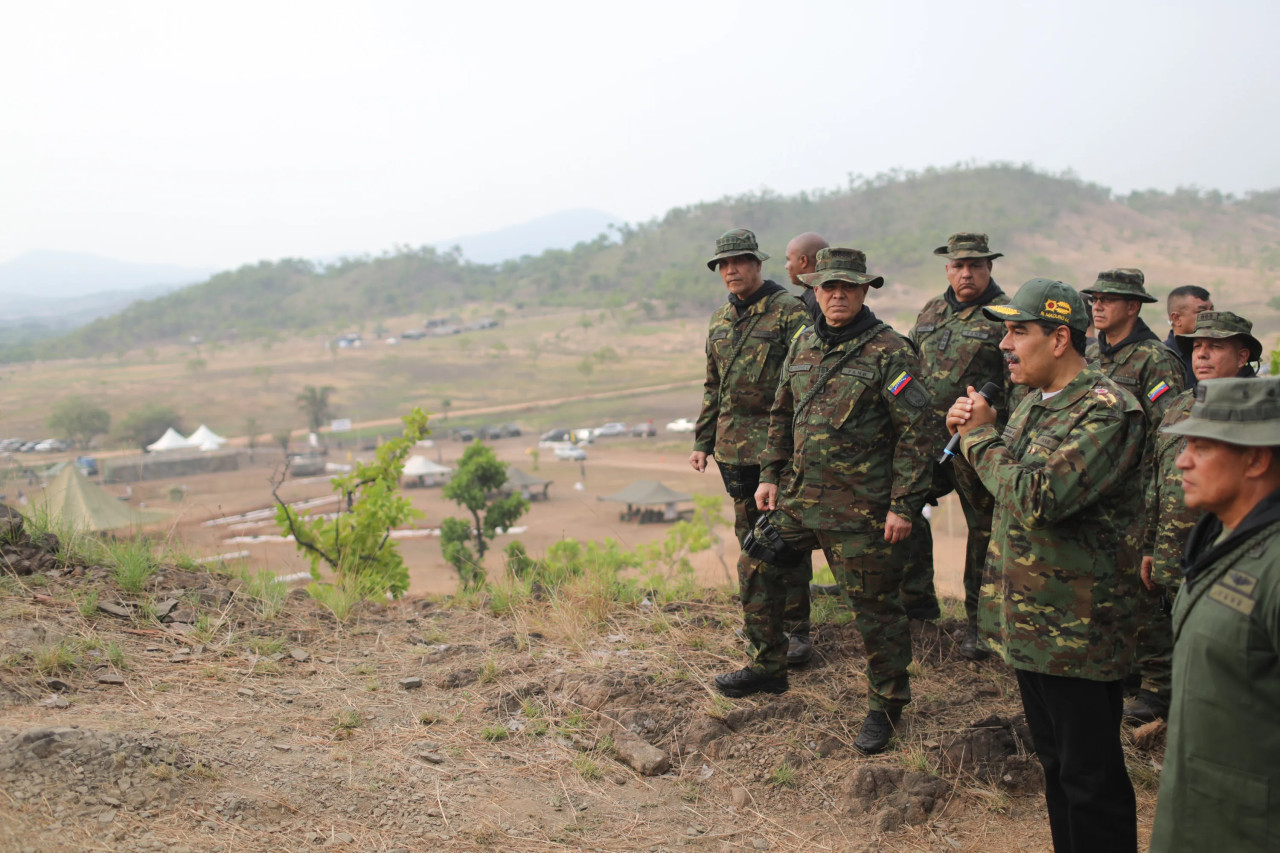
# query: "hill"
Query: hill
1047,225
561,230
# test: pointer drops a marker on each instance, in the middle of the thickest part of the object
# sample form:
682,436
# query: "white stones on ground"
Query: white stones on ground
245,692
640,755
110,678
300,655
55,701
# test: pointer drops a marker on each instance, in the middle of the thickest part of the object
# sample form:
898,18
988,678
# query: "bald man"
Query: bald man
802,253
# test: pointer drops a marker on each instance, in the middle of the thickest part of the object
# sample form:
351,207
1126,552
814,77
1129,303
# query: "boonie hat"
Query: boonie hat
738,241
1221,325
841,265
1043,299
967,244
1237,411
1126,281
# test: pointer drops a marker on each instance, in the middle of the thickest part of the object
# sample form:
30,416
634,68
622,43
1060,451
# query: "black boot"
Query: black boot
924,611
747,681
1146,707
877,730
799,650
971,647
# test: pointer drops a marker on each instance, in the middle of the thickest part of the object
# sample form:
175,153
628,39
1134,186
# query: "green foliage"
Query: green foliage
783,776
479,474
356,544
1275,361
143,426
315,404
265,592
132,562
78,420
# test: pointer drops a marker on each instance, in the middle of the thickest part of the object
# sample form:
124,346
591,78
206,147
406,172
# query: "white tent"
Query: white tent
206,439
171,440
426,471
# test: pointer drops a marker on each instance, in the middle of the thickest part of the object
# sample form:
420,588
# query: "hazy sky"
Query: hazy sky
222,133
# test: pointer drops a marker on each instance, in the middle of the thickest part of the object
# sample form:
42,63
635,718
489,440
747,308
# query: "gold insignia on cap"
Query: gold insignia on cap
1057,309
1003,309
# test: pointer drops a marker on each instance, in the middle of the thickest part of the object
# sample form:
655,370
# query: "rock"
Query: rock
640,755
110,678
165,607
300,655
340,838
741,797
888,819
55,701
431,757
57,685
185,615
106,817
245,692
702,731
413,683
115,609
282,747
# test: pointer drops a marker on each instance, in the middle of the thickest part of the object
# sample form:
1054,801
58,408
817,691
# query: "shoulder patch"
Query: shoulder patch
926,327
800,331
902,380
916,397
1157,391
1232,598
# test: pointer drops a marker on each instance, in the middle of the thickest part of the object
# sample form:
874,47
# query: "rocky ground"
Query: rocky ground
201,714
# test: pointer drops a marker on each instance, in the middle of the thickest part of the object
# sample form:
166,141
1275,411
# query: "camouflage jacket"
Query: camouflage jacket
1062,570
861,446
1148,370
738,392
1169,519
959,348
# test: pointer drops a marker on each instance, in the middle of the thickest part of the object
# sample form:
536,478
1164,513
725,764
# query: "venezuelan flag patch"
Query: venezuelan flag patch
902,381
1158,391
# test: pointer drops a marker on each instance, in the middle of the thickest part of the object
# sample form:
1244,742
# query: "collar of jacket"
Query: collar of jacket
1201,552
1141,332
762,292
834,337
1084,382
993,290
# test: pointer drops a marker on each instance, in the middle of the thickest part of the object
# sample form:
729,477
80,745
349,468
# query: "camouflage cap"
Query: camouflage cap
967,244
1043,299
841,265
1126,281
1221,325
738,241
1237,411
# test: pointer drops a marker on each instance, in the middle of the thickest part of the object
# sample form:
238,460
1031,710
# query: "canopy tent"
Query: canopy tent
206,439
647,493
426,472
171,440
531,487
83,505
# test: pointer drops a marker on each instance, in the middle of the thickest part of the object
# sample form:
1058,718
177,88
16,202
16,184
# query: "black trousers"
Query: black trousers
1075,723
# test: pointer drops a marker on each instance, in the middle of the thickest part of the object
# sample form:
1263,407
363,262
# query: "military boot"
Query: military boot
924,611
877,729
799,649
747,681
971,647
1146,707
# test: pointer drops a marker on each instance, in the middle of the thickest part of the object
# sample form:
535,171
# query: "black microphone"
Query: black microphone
989,392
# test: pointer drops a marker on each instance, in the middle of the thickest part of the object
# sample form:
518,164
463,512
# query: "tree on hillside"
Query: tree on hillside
314,402
78,420
143,426
252,429
479,475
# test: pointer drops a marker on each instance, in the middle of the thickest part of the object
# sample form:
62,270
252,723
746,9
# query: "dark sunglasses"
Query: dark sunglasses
833,286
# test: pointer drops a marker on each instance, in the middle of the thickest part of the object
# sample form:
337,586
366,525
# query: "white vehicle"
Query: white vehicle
611,429
570,453
681,425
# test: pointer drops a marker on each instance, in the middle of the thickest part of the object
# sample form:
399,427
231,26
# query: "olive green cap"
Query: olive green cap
731,244
834,264
967,244
1126,282
1237,411
1043,299
1221,325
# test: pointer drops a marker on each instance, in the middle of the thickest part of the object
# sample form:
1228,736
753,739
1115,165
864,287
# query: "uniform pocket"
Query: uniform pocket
847,393
1233,798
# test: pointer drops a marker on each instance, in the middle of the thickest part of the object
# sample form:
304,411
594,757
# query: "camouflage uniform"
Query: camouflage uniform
1169,519
1148,370
1062,574
842,461
1220,786
744,361
959,346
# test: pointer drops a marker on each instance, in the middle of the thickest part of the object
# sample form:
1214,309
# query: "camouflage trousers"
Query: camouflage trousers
869,572
795,613
1153,657
918,589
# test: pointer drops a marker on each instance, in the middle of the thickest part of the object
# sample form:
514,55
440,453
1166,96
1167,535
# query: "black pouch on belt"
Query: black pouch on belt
740,481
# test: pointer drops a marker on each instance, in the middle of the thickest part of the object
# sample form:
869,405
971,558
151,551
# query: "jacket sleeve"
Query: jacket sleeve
910,411
778,449
704,432
1101,448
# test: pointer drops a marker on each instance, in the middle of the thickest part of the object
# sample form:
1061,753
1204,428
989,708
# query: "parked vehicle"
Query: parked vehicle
570,453
611,429
51,445
645,429
489,433
551,439
88,465
412,335
306,465
681,425
464,434
510,431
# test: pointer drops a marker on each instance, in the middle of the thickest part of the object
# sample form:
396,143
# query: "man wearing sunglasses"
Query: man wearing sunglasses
846,469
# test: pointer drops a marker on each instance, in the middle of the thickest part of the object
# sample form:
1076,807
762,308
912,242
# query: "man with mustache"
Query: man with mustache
1220,786
846,469
1061,571
1222,346
746,343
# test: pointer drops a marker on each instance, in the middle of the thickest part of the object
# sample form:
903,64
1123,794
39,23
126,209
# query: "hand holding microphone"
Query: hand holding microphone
961,413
